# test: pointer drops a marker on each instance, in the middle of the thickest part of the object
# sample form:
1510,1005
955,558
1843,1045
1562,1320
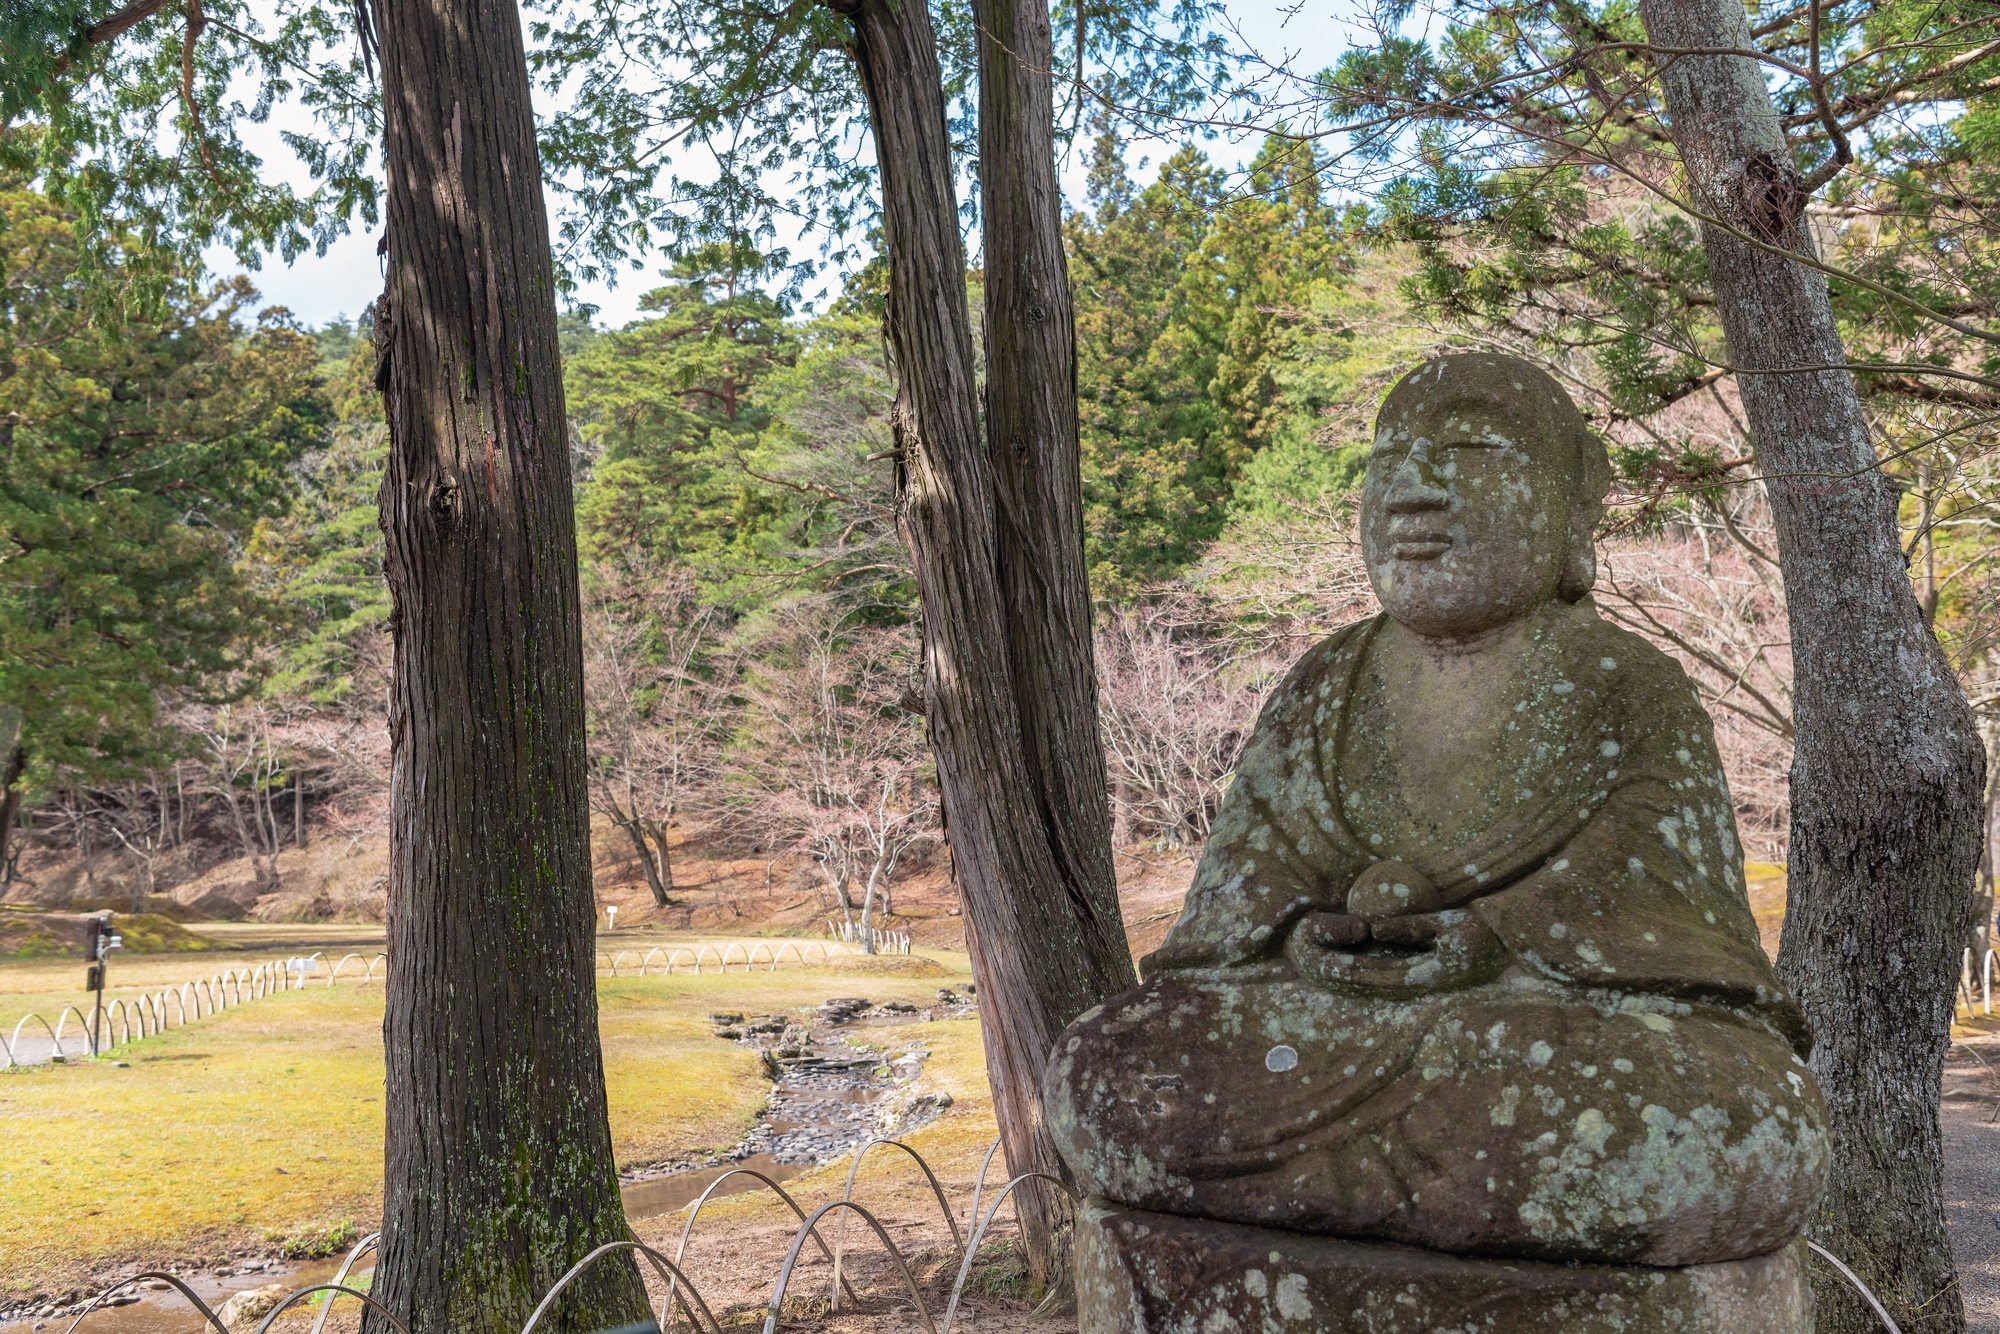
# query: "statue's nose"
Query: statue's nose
1412,488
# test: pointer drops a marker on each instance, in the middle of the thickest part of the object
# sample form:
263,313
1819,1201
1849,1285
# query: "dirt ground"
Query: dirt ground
734,1262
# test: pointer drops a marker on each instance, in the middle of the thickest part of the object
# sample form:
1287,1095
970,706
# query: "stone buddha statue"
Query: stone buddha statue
1467,976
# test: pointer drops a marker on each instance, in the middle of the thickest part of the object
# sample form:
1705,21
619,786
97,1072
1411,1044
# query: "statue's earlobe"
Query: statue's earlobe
1579,571
1593,481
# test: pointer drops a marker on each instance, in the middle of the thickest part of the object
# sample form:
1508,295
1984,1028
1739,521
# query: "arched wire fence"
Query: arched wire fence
854,933
739,955
682,1298
128,1019
1987,968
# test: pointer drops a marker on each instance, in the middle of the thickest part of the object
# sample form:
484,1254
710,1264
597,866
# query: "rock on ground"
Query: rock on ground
244,1309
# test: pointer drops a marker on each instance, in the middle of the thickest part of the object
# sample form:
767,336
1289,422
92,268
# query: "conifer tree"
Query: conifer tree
119,592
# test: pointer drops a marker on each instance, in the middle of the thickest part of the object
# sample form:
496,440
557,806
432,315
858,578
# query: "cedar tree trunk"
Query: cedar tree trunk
1888,776
499,1167
1031,435
1029,837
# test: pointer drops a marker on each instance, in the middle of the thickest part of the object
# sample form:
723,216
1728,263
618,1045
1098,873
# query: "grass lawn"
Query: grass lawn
266,1119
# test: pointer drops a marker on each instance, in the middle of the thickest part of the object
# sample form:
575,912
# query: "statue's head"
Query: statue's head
1482,492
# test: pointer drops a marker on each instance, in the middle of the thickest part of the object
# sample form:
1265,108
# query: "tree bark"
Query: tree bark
1029,836
659,829
499,1172
1031,436
635,830
1888,775
10,791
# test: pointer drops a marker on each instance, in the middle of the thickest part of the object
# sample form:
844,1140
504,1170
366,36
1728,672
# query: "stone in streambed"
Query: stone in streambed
244,1309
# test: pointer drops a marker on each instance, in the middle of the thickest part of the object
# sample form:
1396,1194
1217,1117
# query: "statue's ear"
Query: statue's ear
1579,566
1593,479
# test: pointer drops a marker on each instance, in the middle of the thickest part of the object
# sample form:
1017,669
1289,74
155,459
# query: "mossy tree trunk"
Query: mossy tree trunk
996,542
499,1171
1888,775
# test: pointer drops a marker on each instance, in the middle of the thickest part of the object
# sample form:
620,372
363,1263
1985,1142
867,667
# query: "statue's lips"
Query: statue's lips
1421,548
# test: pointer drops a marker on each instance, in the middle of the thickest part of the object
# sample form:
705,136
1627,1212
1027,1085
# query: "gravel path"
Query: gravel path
1971,1171
33,1046
1972,1182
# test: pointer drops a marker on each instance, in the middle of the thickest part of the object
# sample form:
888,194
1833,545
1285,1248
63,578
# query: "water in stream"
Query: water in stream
168,1312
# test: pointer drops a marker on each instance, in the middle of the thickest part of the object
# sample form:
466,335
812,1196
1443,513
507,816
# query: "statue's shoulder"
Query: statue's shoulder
1636,672
1322,671
1334,654
1633,663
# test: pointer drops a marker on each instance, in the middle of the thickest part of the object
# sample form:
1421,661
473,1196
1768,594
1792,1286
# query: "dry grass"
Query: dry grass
268,1118
265,1117
887,965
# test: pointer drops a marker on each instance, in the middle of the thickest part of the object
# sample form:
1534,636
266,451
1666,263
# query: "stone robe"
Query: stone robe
1592,1060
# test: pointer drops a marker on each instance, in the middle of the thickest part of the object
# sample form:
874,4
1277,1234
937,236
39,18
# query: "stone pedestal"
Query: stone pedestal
1147,1273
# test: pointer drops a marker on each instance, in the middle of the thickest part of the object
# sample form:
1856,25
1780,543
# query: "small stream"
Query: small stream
832,1092
166,1311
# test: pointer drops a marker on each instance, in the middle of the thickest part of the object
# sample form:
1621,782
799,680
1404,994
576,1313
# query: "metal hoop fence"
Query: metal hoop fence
683,1298
741,955
853,933
124,1020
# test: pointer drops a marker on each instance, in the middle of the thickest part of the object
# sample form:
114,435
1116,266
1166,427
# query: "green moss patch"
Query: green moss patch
45,935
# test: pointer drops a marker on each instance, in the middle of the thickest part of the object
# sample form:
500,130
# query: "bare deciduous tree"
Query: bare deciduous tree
654,728
1174,713
830,759
244,769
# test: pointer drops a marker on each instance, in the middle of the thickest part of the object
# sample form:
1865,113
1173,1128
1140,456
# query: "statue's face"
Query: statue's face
1464,513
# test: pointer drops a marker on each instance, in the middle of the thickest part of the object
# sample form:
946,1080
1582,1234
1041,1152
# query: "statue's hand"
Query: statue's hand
1331,930
1413,932
1408,955
1392,889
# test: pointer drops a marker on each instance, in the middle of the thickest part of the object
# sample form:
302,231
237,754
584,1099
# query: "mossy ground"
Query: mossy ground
29,934
264,1120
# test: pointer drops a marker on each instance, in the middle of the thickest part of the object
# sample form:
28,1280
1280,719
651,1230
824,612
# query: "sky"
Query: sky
1309,34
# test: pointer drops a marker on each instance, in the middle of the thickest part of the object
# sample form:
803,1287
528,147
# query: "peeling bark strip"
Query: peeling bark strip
499,1168
996,541
1888,777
